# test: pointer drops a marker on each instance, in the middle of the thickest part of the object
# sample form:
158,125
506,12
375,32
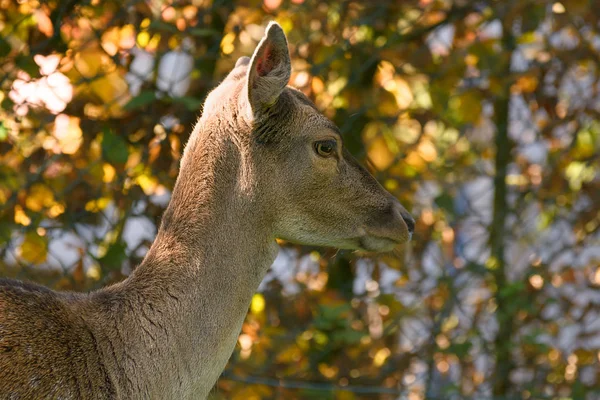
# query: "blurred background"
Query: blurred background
482,117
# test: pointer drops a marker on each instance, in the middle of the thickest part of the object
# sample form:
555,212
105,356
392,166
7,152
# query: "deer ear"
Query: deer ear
270,69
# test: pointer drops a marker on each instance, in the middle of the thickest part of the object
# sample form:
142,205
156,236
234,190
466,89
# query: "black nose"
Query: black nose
410,222
408,219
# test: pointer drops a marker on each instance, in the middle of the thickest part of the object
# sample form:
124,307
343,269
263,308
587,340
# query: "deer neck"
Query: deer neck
211,253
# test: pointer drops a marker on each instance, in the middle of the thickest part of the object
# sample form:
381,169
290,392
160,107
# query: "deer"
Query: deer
261,164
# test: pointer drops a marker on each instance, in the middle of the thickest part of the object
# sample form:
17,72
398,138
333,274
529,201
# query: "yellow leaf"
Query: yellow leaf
317,85
427,151
44,22
289,355
94,272
381,356
387,104
585,144
110,40
258,304
107,82
328,371
526,84
21,217
56,210
90,62
68,134
528,37
467,106
414,160
108,173
148,183
344,395
116,38
227,43
4,195
379,154
97,205
143,38
254,392
127,37
112,89
385,73
401,91
450,323
34,248
40,197
153,44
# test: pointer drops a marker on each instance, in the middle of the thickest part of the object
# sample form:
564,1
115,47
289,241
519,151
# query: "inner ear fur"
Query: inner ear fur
270,69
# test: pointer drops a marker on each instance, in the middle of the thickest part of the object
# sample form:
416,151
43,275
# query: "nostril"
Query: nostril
410,223
408,219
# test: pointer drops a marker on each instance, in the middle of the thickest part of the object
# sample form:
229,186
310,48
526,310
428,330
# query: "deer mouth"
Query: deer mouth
391,228
375,243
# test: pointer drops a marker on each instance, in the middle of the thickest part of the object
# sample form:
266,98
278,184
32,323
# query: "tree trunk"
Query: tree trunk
505,313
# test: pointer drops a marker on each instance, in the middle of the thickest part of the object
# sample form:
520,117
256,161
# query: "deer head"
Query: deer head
313,189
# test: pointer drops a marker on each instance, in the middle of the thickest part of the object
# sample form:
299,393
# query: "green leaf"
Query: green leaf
334,312
533,17
114,148
512,289
202,32
322,324
114,257
27,64
190,103
446,203
4,47
460,349
163,26
3,132
7,104
144,98
6,230
347,336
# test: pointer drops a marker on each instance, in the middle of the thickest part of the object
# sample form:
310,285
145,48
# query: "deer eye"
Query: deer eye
325,148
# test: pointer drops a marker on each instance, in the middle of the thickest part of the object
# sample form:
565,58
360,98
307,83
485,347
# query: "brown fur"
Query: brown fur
249,174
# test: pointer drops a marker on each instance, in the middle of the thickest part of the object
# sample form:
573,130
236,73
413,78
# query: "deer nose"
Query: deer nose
408,219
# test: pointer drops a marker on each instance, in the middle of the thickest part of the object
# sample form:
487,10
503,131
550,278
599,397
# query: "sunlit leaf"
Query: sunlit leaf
39,197
44,23
258,303
34,248
21,217
379,153
3,132
68,134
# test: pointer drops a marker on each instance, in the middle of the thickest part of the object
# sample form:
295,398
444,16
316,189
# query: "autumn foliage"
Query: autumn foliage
483,117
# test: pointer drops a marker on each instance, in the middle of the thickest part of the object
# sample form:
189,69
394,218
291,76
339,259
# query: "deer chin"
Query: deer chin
381,240
378,244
